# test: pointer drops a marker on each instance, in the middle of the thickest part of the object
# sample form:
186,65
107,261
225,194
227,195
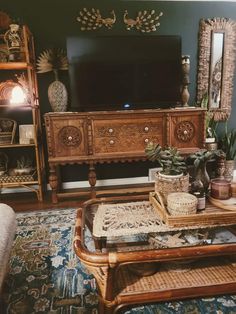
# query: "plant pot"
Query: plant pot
23,171
165,184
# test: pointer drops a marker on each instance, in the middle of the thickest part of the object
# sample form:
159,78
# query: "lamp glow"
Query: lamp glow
17,95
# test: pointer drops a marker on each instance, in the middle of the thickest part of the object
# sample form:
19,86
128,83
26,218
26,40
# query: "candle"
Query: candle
220,189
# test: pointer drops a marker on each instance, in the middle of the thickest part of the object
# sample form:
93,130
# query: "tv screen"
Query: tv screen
131,72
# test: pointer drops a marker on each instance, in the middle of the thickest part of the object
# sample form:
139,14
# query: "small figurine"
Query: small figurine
13,41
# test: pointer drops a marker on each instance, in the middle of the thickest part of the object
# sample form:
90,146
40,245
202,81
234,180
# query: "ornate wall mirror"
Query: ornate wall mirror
217,53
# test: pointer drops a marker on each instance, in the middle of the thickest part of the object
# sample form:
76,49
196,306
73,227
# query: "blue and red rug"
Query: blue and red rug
45,276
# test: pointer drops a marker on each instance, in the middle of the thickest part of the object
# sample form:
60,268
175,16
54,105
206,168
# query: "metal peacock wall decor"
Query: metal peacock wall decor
92,19
145,21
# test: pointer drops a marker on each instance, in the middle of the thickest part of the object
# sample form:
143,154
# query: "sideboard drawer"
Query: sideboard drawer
125,135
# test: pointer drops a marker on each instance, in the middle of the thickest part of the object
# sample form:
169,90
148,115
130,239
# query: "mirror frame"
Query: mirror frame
206,29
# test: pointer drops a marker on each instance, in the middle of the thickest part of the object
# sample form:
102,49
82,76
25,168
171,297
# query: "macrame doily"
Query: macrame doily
127,219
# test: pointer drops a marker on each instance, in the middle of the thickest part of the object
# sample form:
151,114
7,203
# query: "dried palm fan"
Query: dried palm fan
54,60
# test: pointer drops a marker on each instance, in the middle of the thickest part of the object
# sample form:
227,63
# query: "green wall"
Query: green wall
52,21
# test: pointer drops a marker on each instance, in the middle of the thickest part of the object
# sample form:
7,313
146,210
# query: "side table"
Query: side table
132,270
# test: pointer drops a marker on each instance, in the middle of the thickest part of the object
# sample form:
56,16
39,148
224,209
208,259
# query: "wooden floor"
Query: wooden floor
29,202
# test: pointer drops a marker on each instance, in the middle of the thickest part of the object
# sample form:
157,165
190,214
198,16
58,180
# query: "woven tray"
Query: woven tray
229,204
211,216
12,179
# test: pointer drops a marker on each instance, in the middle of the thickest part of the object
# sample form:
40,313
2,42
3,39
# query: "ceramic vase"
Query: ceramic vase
202,174
58,96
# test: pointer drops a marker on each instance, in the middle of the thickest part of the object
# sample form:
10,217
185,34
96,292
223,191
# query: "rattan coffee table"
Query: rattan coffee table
138,259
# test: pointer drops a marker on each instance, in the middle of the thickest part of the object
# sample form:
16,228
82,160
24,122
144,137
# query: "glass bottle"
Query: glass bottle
197,189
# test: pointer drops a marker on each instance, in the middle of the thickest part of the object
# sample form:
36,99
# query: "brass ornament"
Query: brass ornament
92,20
185,131
145,21
70,136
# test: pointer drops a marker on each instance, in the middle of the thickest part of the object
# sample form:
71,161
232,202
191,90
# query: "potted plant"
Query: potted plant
227,143
211,135
200,160
210,125
174,176
23,166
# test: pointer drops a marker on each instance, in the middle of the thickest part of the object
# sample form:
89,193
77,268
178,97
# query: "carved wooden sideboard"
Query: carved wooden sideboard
114,136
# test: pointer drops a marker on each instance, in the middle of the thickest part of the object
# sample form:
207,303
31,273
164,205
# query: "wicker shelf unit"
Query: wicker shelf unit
25,113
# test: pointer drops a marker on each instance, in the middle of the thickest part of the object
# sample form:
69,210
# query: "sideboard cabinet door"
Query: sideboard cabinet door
66,136
186,130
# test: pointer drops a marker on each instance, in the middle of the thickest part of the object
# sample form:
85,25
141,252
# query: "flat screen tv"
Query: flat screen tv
130,72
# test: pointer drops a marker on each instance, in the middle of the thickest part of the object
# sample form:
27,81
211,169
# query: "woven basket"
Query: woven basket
169,184
181,203
7,131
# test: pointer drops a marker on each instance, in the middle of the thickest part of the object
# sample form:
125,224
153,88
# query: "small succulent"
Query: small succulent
201,157
211,126
23,162
168,157
199,160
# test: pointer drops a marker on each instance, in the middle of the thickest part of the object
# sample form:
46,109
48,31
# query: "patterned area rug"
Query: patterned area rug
45,276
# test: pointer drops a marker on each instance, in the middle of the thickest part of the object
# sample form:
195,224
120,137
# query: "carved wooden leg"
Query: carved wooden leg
105,280
100,244
92,179
105,308
53,181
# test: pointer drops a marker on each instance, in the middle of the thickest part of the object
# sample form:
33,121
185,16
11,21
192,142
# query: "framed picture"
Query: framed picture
26,134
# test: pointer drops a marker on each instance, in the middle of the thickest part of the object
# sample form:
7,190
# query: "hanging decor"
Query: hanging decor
92,19
55,60
145,21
